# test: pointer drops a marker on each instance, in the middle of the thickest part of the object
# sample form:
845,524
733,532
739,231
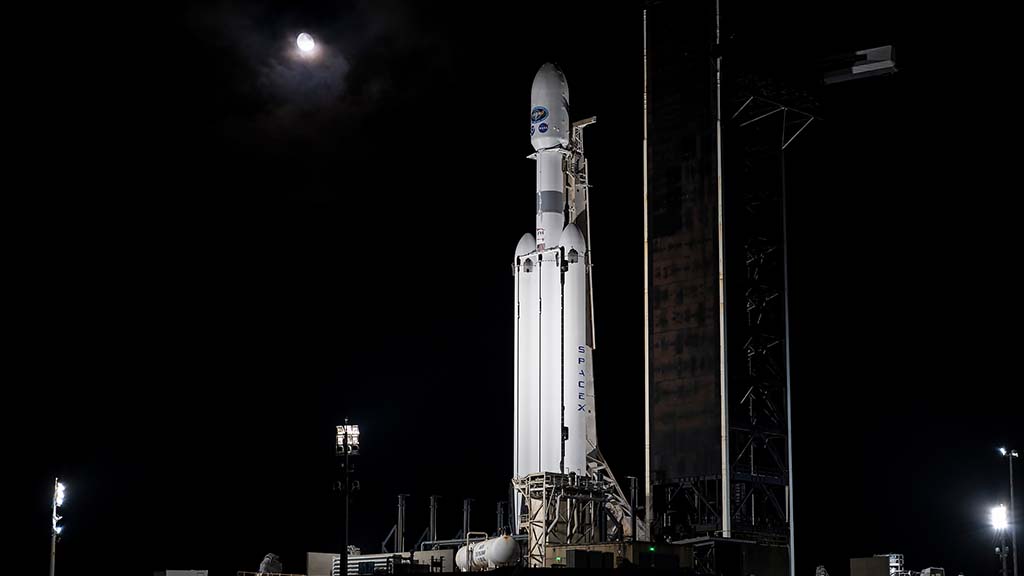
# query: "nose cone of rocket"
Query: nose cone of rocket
551,81
526,245
549,108
571,239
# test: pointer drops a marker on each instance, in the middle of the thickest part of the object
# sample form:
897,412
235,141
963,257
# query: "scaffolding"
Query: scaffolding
562,510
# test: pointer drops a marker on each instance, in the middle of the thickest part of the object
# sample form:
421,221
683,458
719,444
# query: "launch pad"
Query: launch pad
562,510
717,498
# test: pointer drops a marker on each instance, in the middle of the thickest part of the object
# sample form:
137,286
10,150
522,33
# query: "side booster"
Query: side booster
551,371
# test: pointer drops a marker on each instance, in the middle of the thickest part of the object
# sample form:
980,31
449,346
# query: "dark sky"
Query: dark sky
217,252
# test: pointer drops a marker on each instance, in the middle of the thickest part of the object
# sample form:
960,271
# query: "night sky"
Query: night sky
216,252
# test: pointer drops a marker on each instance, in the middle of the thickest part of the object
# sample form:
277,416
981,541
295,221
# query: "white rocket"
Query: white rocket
555,425
551,371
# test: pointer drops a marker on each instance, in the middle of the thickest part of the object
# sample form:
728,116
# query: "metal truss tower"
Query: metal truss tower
761,417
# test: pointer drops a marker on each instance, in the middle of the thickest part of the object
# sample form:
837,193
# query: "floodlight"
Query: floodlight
998,516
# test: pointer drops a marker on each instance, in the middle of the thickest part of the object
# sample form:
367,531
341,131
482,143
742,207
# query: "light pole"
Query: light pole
999,522
58,501
1010,455
347,437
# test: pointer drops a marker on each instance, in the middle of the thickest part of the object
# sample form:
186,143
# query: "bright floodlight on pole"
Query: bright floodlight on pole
999,518
348,439
58,501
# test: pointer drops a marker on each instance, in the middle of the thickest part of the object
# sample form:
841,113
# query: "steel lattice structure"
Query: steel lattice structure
562,509
760,418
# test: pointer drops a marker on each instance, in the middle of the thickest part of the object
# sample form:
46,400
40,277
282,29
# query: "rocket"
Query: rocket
551,352
555,428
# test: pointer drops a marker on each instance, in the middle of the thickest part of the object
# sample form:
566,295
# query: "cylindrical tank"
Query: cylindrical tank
488,554
550,198
574,349
550,361
527,356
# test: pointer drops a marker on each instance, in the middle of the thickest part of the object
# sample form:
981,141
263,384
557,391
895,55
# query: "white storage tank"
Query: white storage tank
488,554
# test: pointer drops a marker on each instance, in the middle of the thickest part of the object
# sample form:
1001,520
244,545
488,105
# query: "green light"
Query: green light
558,558
651,549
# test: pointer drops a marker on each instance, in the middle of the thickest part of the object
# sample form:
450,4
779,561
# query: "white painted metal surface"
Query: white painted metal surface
550,92
550,362
488,554
527,358
574,350
550,323
549,134
528,389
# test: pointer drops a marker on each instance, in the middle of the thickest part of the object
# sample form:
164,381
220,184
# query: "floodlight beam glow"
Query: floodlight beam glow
999,520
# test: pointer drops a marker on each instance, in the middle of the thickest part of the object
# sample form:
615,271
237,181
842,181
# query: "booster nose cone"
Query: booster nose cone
571,239
526,245
549,108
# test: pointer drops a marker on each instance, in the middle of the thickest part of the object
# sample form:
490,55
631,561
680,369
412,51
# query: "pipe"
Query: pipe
501,518
723,364
433,517
633,497
648,497
467,510
400,530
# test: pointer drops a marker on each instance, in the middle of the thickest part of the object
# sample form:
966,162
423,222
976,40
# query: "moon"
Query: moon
305,43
